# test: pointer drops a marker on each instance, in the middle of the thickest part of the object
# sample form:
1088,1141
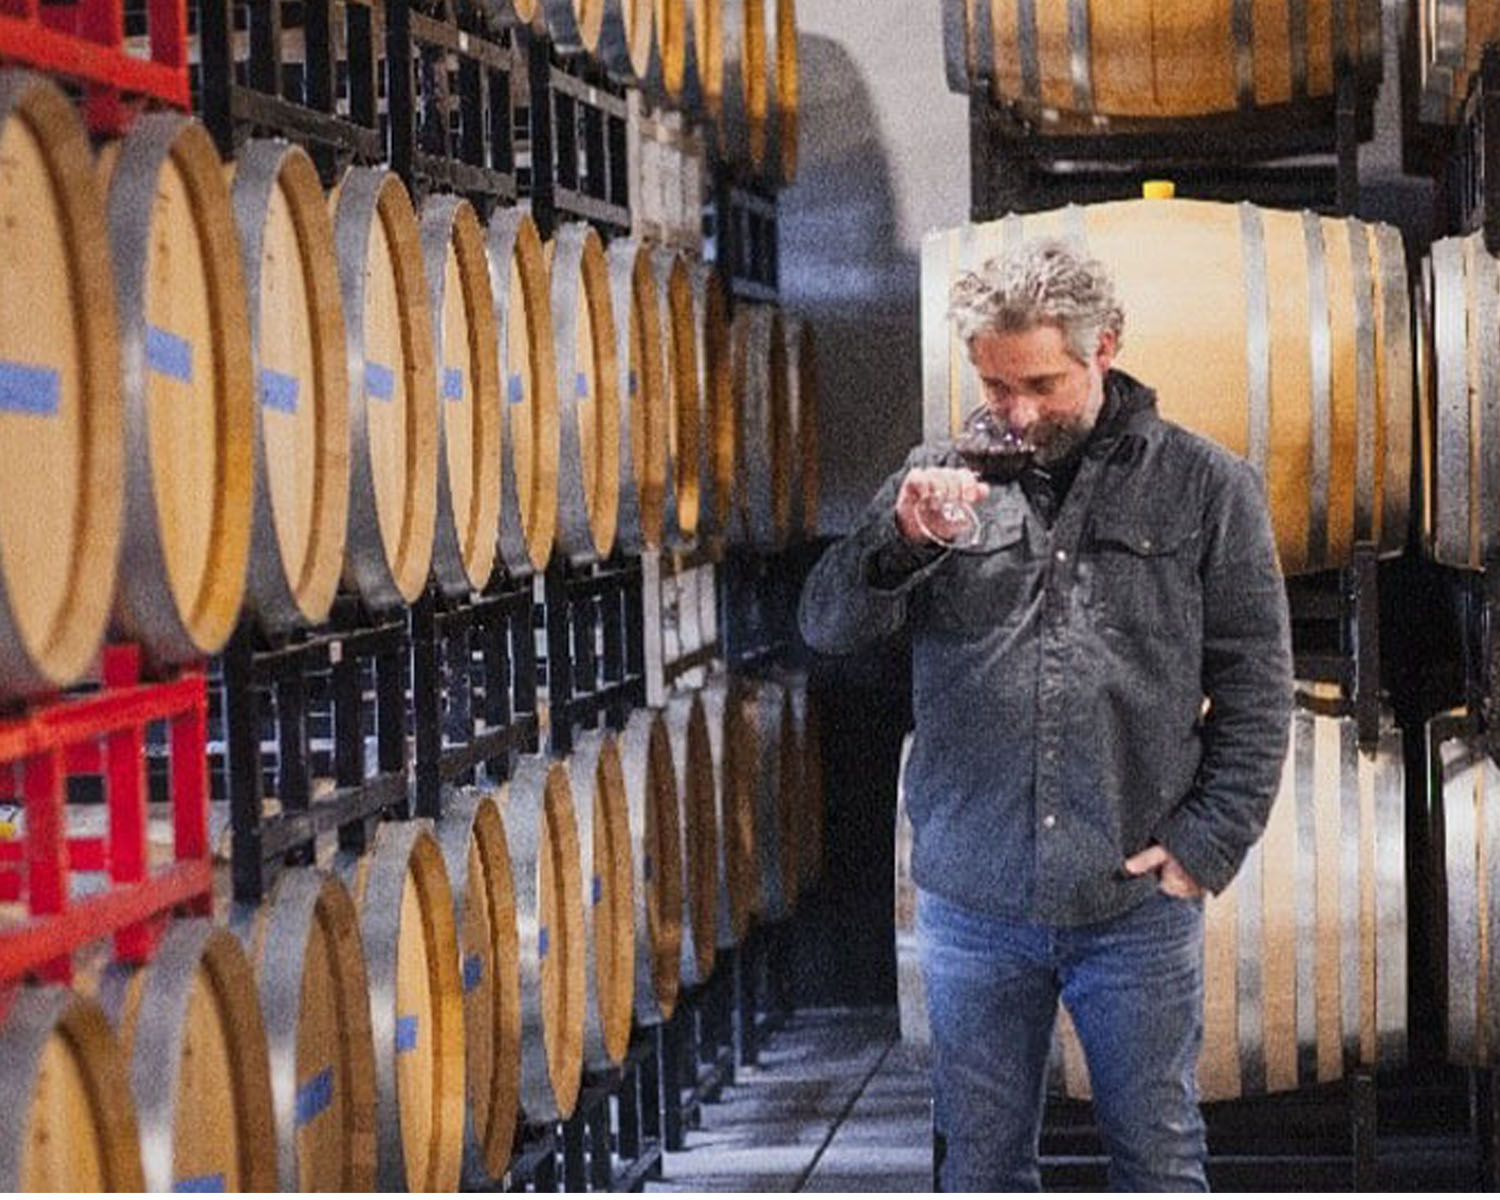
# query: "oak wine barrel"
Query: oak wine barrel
61,411
531,443
716,395
304,942
405,902
627,39
477,855
740,131
703,78
1305,952
734,749
778,800
301,426
468,405
680,387
1282,336
392,390
651,795
188,387
1132,58
190,1024
583,326
643,401
667,83
693,766
783,86
802,401
604,854
574,25
1452,35
542,831
68,1123
762,429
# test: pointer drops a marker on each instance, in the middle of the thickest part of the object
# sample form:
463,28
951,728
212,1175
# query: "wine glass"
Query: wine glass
995,453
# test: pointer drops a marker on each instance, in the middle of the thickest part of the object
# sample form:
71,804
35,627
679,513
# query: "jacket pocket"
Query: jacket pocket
1143,574
986,588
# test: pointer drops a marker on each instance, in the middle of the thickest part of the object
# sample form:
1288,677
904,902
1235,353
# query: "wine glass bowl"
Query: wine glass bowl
995,453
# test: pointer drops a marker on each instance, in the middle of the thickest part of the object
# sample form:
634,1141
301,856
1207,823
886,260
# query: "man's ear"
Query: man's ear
1109,345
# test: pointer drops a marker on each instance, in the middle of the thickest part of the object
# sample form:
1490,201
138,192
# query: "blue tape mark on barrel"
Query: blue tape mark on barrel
314,1097
473,972
380,381
170,355
406,1034
28,389
278,391
453,383
648,867
581,386
597,890
635,384
200,1183
515,389
542,942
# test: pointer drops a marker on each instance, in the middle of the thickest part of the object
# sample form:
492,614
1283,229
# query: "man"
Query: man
1072,795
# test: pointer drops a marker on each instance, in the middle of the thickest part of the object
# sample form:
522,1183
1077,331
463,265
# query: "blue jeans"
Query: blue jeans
1134,988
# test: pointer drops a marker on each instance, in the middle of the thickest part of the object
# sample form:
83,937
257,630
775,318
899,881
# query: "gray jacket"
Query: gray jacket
1060,673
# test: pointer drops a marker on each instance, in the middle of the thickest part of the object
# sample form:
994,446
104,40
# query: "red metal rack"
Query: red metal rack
86,41
103,733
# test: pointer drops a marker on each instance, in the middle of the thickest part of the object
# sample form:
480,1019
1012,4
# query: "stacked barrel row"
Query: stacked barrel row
385,1019
731,63
224,392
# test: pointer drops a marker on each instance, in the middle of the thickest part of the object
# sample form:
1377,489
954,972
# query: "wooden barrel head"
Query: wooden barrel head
392,389
1296,326
783,91
692,762
643,425
302,418
69,1124
474,845
656,838
802,404
189,389
190,1023
627,39
531,443
671,45
61,413
762,428
583,325
746,97
708,50
416,1007
574,24
468,370
680,383
735,747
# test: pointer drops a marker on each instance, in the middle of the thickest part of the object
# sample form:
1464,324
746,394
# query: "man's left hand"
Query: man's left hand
1175,880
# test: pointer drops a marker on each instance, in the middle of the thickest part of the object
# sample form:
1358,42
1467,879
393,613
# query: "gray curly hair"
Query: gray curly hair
1045,281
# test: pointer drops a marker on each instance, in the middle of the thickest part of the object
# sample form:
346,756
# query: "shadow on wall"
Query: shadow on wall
844,267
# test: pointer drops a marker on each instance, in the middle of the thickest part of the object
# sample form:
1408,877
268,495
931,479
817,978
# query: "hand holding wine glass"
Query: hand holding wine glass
936,504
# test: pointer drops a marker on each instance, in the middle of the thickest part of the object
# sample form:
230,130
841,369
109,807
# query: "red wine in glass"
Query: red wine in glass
991,449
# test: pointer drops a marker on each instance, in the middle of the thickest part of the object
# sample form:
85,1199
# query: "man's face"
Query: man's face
1044,396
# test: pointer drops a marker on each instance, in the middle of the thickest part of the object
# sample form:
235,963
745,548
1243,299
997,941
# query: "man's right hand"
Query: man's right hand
929,488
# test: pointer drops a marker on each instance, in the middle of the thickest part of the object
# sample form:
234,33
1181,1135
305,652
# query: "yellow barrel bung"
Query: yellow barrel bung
405,904
583,327
469,413
574,25
531,443
693,765
651,794
301,426
762,429
716,423
679,351
604,853
477,854
1282,336
61,411
1134,59
734,747
802,403
392,390
643,402
188,385
742,125
68,1123
1305,969
309,959
542,830
190,1025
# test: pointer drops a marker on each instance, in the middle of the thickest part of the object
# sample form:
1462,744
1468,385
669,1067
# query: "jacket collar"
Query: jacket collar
1128,419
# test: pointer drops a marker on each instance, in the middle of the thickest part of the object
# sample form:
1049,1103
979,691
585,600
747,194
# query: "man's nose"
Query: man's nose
1018,412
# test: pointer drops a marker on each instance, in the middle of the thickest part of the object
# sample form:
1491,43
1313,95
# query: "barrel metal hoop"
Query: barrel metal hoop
1257,335
1320,355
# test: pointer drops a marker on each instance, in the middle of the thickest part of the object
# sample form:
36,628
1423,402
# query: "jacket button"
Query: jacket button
1061,556
1048,821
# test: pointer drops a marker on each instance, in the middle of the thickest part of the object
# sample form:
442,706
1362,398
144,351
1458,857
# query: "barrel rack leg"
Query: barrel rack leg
575,1166
1486,1090
671,1050
1362,1129
601,1161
